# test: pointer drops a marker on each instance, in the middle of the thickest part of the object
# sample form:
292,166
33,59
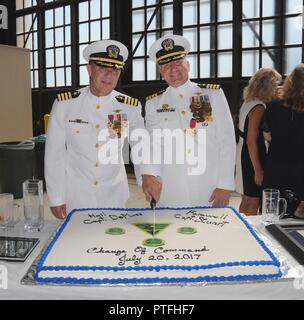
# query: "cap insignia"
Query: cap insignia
113,51
168,44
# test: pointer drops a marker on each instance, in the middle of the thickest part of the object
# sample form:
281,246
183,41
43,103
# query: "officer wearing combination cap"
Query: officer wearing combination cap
191,107
76,175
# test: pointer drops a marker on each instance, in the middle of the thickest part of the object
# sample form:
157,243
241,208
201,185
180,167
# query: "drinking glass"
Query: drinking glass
9,211
6,212
271,208
33,204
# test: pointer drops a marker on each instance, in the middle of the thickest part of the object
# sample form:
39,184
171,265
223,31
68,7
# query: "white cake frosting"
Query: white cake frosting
223,248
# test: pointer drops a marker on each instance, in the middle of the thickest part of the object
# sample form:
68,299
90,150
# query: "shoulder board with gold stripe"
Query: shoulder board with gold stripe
209,86
155,94
128,100
67,95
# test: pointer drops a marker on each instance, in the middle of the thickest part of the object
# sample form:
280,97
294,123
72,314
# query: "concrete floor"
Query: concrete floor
137,198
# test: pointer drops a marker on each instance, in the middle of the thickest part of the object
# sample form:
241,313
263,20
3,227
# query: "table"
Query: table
266,290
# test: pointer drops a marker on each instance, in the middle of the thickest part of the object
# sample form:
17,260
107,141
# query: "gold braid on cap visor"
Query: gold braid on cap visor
171,56
108,62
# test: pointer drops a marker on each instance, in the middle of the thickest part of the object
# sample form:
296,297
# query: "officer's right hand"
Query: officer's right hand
151,187
59,211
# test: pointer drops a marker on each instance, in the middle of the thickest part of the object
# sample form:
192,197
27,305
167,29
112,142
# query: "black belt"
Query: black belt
240,133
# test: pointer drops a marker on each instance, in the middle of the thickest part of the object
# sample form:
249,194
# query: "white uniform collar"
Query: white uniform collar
98,99
183,89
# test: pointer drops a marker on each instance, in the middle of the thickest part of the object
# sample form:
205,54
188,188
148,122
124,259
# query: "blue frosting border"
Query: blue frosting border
273,260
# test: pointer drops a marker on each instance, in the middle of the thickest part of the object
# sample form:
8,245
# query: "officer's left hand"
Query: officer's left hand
59,211
151,187
220,197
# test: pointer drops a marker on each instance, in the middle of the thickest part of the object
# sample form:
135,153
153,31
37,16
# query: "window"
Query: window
208,26
53,51
260,35
266,33
293,46
22,4
27,37
93,25
58,47
161,24
271,38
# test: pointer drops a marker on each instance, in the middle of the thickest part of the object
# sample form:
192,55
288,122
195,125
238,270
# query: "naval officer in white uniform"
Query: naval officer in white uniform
76,176
191,107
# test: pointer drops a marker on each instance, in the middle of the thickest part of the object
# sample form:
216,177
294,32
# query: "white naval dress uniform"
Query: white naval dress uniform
74,175
179,187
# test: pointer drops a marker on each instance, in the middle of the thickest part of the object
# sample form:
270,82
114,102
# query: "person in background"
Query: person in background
284,169
265,128
76,176
191,109
251,148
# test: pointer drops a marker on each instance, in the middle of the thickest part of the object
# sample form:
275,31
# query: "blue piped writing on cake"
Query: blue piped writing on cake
101,217
141,256
190,215
205,218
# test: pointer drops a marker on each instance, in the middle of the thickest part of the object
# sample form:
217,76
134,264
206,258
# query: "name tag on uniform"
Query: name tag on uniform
165,108
79,121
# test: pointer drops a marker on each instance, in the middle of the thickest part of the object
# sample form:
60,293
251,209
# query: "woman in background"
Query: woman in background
266,132
284,169
251,148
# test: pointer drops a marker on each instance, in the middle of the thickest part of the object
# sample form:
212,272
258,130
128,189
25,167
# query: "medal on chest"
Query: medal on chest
118,125
201,111
192,128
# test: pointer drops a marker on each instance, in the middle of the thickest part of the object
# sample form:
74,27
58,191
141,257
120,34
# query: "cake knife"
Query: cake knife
153,205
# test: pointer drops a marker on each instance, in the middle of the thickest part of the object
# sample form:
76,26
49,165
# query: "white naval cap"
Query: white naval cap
106,53
169,48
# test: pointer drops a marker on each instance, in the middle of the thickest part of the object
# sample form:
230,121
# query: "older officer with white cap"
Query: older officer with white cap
193,108
76,175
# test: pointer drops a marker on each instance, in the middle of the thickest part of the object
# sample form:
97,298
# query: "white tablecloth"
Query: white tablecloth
16,270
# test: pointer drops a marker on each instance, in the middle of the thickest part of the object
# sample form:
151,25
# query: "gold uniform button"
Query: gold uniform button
97,126
96,145
95,183
98,106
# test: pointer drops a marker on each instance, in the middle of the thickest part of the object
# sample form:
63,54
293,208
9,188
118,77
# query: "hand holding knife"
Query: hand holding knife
153,205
